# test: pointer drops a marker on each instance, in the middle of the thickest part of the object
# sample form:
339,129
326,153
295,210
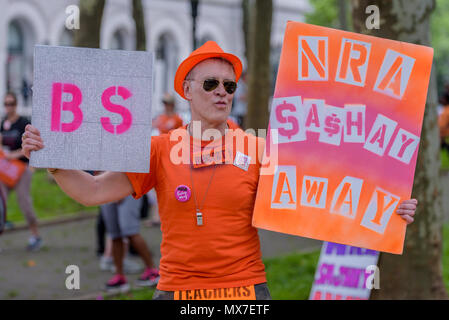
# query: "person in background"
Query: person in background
122,221
104,245
25,91
169,120
153,219
12,127
443,121
107,258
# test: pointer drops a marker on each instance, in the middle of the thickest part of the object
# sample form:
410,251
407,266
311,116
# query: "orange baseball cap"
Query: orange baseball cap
208,50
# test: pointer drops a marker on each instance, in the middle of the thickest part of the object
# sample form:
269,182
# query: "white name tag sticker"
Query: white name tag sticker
242,161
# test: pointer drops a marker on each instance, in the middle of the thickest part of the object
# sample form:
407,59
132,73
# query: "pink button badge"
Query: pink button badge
182,193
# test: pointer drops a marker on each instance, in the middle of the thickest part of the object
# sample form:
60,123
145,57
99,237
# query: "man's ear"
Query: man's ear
187,86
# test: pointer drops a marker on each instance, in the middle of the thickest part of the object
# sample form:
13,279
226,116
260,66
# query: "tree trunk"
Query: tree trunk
417,274
139,19
259,65
91,14
245,27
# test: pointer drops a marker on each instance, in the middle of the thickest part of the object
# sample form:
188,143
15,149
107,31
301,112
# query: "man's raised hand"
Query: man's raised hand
406,210
31,140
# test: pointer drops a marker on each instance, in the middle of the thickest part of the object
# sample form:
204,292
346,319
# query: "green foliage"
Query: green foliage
12,294
48,199
325,13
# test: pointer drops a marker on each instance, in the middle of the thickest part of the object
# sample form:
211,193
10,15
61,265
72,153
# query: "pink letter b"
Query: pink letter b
72,106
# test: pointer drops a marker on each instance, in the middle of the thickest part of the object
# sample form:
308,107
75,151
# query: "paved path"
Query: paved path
41,275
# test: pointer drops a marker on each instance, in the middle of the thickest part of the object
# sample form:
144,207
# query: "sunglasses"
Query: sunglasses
9,104
212,84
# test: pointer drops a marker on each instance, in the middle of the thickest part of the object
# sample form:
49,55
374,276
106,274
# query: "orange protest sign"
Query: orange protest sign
348,111
10,170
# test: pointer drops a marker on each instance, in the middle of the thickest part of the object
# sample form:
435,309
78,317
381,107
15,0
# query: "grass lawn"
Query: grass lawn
48,199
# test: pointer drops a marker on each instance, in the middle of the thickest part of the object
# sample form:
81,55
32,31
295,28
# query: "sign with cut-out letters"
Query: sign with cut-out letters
348,109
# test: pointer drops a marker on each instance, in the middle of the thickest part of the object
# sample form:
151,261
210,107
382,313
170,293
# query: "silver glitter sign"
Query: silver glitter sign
92,108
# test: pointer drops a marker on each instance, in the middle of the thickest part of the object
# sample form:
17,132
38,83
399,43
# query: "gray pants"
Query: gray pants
261,290
122,218
23,188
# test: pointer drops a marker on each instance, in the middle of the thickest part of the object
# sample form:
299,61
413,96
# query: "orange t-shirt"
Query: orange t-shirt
165,123
225,251
232,124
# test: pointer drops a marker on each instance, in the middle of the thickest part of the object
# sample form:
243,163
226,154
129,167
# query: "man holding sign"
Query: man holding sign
206,207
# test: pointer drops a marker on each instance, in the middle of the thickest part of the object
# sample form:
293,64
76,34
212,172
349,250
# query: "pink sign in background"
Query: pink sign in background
343,273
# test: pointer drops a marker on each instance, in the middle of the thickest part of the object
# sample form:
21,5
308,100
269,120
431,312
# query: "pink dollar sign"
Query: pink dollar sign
124,112
331,123
290,119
